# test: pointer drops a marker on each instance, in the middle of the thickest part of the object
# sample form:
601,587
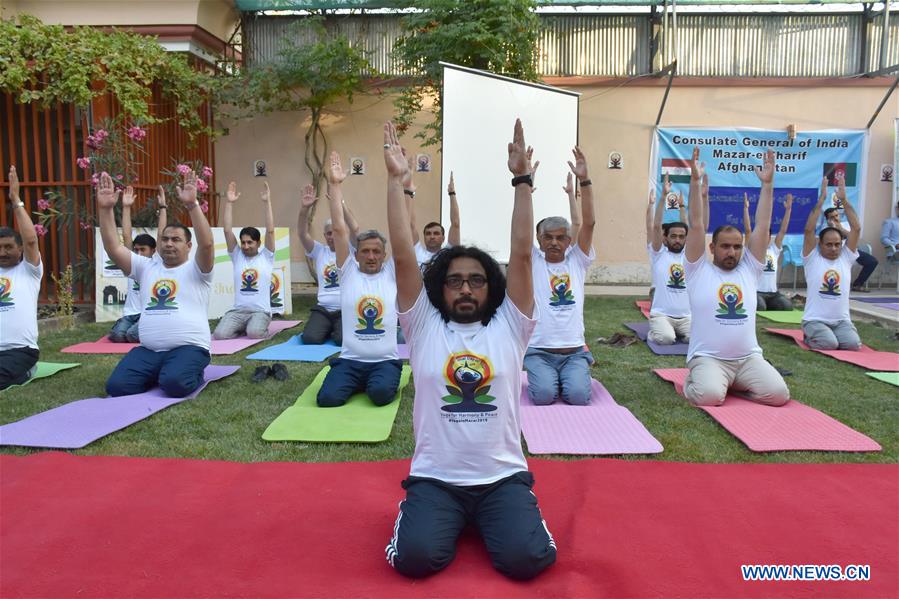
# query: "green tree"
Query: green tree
499,36
314,69
46,64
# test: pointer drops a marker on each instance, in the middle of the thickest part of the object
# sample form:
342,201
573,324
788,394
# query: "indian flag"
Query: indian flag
678,170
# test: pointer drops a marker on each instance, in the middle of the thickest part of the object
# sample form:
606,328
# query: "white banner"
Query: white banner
112,286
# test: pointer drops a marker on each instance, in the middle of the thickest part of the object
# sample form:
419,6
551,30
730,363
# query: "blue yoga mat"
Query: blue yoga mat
293,350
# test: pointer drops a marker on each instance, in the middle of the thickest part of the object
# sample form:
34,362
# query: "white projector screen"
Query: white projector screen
479,112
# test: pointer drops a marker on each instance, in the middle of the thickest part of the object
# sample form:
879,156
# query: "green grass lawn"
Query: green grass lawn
227,420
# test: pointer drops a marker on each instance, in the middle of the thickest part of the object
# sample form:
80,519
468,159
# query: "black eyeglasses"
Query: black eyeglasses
474,281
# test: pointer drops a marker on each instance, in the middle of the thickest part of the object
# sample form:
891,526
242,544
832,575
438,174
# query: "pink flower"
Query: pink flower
84,162
84,226
119,177
102,134
182,169
96,140
40,229
207,172
92,142
204,207
202,186
136,133
43,204
95,179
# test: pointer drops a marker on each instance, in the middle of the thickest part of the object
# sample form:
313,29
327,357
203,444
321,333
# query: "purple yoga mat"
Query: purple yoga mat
402,351
641,329
876,300
600,427
76,424
891,306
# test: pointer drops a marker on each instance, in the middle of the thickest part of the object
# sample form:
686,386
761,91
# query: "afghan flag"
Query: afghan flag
847,168
678,170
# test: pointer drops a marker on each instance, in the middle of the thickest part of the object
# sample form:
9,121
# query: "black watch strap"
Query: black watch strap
409,193
523,179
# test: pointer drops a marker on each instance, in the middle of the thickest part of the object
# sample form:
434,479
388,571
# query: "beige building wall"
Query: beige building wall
218,17
611,119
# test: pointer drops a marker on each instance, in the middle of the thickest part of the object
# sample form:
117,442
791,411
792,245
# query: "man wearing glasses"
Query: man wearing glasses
557,362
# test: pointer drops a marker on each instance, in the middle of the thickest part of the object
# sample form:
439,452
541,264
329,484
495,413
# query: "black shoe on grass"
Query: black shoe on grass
279,371
261,373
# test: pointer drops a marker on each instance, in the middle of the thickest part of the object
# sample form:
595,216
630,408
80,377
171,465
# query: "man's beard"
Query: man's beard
675,249
473,311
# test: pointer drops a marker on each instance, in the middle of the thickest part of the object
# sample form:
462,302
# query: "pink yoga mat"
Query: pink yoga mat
602,427
866,357
220,347
644,306
791,427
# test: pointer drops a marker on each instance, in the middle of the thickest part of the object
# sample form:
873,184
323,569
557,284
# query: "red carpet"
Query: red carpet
131,527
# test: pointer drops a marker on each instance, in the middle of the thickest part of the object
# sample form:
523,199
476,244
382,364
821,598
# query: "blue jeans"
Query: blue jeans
379,380
125,329
552,376
178,372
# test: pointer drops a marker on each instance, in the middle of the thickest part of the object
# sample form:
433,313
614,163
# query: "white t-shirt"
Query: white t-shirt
559,298
467,388
368,312
828,285
252,280
19,289
132,299
670,283
722,308
328,275
174,304
423,255
768,280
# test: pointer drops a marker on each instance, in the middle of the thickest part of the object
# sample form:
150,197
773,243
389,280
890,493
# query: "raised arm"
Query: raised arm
758,239
654,213
809,240
855,227
455,232
408,275
205,255
519,284
266,197
408,194
695,246
588,220
24,225
162,219
307,200
747,220
785,223
127,202
228,216
351,223
574,209
681,209
107,196
336,175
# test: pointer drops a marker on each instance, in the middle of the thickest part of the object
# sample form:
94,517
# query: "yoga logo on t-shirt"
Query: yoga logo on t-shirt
730,302
370,313
769,263
468,376
676,277
6,298
561,290
831,284
162,295
274,292
329,276
249,279
135,285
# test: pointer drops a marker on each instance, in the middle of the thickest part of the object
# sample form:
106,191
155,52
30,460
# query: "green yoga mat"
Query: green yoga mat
359,420
887,377
787,316
45,369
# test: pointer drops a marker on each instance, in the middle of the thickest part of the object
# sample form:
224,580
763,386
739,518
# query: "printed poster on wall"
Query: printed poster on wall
730,156
112,286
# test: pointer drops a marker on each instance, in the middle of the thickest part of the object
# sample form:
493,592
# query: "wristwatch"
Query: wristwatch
409,193
19,204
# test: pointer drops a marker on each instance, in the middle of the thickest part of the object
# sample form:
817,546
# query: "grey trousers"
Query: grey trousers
752,378
841,334
235,323
665,330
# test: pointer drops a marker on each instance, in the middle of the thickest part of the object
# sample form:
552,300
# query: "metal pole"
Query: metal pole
665,58
674,30
885,34
882,102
